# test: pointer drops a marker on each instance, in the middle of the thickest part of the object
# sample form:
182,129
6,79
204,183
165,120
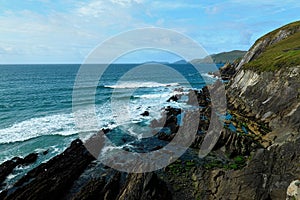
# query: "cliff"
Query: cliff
268,87
265,89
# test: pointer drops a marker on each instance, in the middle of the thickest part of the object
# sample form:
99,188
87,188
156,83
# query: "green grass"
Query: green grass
223,57
283,54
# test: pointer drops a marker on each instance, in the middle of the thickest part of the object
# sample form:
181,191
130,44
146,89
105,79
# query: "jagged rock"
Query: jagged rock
146,113
144,187
31,158
7,167
173,98
266,176
293,191
236,144
52,180
106,130
92,190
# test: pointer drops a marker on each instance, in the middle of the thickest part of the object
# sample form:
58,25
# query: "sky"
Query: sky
67,31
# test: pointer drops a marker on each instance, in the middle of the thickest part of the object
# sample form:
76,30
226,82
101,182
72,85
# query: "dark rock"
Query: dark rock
156,148
7,167
92,190
173,98
146,113
106,130
31,158
144,187
236,144
267,176
52,180
45,152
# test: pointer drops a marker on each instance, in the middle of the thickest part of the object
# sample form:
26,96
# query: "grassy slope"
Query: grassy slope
228,56
223,57
285,53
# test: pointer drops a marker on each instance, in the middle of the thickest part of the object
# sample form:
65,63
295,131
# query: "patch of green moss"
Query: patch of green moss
180,167
214,164
240,160
235,163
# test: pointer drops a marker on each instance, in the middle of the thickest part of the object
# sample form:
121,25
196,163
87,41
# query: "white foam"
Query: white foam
206,75
154,96
123,85
49,125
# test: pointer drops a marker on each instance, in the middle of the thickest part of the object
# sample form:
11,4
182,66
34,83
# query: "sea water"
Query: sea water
36,102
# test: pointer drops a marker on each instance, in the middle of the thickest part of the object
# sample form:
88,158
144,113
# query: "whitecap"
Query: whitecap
123,85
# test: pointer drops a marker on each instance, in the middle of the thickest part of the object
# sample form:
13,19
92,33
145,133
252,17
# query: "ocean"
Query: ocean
36,102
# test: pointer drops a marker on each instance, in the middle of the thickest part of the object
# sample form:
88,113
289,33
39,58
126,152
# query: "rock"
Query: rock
293,191
106,130
45,152
236,144
92,190
31,158
156,148
144,187
267,175
173,98
52,180
7,167
146,113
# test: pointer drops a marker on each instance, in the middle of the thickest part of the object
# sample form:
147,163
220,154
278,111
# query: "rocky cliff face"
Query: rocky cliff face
272,96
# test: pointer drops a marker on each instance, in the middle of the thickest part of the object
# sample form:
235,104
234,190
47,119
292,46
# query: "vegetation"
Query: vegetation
237,162
285,53
224,57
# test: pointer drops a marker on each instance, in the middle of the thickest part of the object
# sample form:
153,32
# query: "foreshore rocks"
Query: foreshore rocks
266,176
56,179
7,167
51,180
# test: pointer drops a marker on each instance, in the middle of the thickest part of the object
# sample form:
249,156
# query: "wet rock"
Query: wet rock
173,98
7,167
52,180
106,130
45,152
146,113
31,158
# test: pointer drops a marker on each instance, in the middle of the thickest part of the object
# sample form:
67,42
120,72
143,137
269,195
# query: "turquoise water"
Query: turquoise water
36,102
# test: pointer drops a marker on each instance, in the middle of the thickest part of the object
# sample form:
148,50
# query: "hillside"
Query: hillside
263,88
277,49
224,57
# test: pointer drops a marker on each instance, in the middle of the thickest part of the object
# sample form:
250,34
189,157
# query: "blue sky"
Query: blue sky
65,31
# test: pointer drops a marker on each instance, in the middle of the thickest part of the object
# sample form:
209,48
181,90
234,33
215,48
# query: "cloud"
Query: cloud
212,10
67,30
127,2
174,5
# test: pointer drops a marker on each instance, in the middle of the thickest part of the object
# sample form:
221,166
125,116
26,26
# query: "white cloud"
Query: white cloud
212,10
127,2
174,5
